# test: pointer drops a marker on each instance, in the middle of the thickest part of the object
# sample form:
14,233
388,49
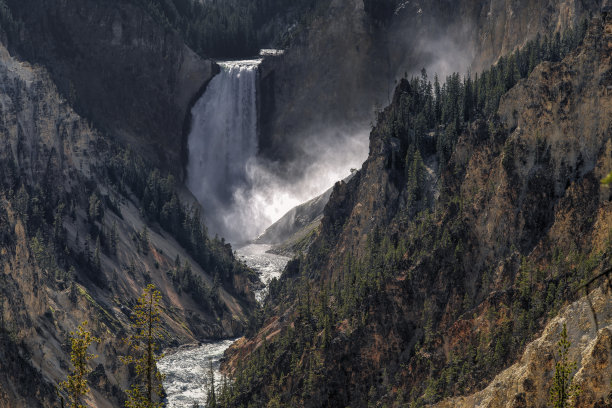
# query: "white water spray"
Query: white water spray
240,193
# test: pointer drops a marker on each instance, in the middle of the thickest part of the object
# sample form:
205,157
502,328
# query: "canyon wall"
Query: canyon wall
133,77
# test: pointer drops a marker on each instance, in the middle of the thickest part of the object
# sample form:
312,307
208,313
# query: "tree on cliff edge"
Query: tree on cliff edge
564,391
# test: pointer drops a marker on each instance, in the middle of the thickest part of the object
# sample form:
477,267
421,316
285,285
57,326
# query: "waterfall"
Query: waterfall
222,143
242,194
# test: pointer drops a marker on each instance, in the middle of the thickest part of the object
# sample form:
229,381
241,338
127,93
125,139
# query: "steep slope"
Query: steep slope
526,383
345,61
297,223
117,65
503,25
85,225
336,57
423,285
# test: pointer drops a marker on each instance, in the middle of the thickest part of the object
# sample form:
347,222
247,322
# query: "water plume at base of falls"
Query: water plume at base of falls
241,193
274,189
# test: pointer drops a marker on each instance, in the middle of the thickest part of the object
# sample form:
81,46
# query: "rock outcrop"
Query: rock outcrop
527,382
132,77
433,297
75,246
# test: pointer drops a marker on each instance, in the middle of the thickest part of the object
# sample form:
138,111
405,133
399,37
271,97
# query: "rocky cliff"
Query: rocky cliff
432,272
344,63
527,382
337,56
133,77
79,241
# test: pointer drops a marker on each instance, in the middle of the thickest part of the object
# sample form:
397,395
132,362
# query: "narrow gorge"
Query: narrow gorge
321,203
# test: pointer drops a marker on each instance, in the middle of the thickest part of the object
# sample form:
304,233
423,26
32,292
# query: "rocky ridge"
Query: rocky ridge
520,220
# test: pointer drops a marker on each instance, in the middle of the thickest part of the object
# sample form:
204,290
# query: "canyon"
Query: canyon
437,270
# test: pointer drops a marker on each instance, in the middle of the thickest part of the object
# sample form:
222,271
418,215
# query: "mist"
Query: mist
422,37
242,192
272,189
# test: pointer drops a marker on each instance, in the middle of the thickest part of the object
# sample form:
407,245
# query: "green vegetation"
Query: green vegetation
564,391
211,398
430,116
76,384
143,352
160,203
186,281
424,245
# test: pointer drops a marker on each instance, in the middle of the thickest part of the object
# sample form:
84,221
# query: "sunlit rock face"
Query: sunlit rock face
527,382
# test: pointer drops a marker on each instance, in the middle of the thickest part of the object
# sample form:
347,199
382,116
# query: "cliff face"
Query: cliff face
503,25
432,291
119,67
74,246
331,59
527,382
345,62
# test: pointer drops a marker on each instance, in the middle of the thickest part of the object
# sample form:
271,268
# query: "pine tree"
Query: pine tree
211,398
58,226
87,252
144,240
564,392
416,178
113,238
97,261
94,210
76,384
143,352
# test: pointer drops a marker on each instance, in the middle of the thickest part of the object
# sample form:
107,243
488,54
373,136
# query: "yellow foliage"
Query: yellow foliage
76,384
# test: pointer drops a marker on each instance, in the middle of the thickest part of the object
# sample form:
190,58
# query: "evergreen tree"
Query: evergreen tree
87,252
211,398
416,177
76,384
94,210
58,227
144,240
113,238
97,261
564,391
143,347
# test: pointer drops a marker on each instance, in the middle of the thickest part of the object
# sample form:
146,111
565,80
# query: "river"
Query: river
186,369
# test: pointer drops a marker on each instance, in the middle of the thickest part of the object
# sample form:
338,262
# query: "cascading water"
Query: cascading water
240,193
223,141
